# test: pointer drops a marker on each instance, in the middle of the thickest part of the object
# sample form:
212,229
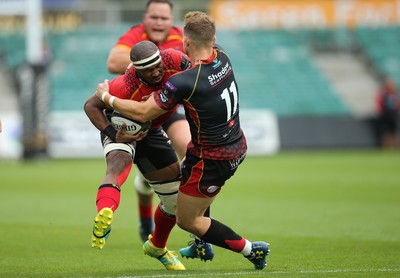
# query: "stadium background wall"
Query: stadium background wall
327,133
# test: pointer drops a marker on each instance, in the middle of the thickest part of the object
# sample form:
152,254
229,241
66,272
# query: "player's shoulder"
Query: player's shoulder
180,83
222,55
130,73
117,80
137,27
136,30
170,51
183,78
174,59
117,86
220,49
130,78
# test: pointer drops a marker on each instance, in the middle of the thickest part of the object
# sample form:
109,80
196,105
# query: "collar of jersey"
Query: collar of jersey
210,59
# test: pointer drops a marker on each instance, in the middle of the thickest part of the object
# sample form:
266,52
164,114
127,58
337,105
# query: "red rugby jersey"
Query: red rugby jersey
129,86
137,34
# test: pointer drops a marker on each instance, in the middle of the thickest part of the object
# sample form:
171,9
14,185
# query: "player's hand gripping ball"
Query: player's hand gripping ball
132,127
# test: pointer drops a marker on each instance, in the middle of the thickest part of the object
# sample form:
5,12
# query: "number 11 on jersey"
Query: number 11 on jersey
226,95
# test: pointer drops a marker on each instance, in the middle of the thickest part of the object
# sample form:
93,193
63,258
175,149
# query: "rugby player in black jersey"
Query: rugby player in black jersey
209,93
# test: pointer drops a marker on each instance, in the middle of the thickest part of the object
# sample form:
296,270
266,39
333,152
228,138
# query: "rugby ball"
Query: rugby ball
132,126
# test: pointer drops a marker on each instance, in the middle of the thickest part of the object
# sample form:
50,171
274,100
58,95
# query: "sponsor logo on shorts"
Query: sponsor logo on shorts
212,188
236,162
180,110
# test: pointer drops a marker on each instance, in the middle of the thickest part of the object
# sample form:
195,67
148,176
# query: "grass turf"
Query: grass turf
330,214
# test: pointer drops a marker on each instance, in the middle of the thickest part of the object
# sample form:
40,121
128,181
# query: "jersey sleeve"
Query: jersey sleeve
169,96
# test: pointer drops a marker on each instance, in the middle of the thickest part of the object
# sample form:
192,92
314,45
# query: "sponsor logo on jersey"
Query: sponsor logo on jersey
170,86
215,78
185,63
163,96
217,63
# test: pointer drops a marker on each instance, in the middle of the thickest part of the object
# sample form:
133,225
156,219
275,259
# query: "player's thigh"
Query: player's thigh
156,158
205,177
179,134
118,155
178,131
190,208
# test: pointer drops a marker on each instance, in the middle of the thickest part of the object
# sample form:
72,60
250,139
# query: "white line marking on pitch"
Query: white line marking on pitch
239,273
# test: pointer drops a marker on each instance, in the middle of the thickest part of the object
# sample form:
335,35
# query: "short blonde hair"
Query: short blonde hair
199,28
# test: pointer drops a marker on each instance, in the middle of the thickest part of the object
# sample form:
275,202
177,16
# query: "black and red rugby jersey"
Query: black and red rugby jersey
210,95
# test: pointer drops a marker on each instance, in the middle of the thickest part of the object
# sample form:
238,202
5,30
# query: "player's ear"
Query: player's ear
186,41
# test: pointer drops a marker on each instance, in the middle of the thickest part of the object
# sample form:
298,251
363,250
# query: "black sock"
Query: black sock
223,236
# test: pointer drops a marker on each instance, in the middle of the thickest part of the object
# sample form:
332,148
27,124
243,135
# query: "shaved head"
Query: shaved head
143,50
147,62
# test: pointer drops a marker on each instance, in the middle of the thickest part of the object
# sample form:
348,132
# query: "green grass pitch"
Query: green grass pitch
325,214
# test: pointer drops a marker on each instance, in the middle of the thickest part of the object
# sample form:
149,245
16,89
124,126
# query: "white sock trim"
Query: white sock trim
247,249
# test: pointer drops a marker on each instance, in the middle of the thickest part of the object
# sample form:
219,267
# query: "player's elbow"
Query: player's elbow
113,64
88,106
118,60
85,106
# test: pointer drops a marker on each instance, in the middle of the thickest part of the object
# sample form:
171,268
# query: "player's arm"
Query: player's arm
118,59
140,111
94,110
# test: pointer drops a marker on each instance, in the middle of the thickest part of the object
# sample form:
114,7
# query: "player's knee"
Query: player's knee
168,193
180,222
141,185
118,167
185,224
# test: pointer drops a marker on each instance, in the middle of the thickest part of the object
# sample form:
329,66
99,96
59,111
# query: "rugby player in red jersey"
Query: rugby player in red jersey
157,26
154,155
210,95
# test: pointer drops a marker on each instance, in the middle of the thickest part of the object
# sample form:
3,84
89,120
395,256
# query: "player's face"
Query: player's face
158,21
152,75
